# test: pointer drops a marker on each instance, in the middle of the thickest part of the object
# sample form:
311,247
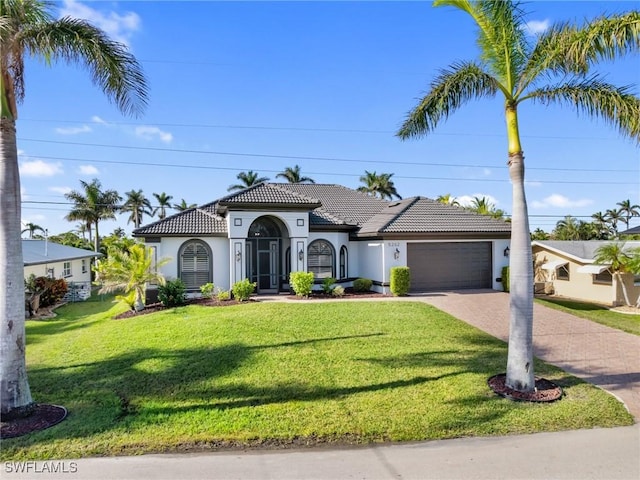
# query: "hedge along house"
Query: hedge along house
269,230
570,269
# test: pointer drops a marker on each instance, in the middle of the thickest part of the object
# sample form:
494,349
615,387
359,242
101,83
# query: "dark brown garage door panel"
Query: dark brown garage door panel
449,266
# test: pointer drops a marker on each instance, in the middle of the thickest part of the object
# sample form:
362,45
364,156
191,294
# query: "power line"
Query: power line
292,157
317,129
419,177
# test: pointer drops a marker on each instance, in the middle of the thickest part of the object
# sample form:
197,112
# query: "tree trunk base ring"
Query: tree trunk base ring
42,416
544,391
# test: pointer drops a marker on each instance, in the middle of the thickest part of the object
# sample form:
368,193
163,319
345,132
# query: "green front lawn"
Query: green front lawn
596,313
265,374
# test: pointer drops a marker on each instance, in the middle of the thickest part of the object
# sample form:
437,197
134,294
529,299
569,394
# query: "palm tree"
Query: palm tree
32,228
82,228
183,205
613,216
292,175
628,211
539,234
137,205
619,261
92,206
601,223
129,269
483,206
164,202
378,185
29,27
567,229
553,68
448,199
248,179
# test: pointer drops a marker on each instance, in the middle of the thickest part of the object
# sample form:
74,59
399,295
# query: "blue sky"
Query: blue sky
237,86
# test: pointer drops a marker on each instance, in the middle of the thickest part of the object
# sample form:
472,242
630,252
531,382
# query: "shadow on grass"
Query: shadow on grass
579,306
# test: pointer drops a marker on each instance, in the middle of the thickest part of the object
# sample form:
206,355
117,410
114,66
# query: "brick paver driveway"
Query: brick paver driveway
600,355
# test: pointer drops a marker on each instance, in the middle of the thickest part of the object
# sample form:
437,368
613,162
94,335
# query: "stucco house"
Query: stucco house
569,267
269,230
47,259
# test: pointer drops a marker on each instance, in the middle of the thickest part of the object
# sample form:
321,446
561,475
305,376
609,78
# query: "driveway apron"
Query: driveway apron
600,355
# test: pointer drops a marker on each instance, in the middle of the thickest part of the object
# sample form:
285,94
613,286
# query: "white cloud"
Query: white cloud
560,201
536,27
149,133
467,200
97,119
23,194
88,170
39,168
119,27
60,190
73,130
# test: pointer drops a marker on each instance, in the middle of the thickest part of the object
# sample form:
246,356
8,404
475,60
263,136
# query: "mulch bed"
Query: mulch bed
214,302
545,390
43,416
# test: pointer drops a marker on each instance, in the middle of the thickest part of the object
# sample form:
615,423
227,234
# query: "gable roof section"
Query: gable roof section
202,220
268,195
424,215
33,252
582,251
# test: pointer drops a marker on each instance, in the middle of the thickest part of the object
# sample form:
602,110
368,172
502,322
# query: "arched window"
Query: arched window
320,259
264,227
344,272
194,266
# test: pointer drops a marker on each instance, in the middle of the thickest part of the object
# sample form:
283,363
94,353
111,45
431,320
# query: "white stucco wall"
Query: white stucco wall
169,247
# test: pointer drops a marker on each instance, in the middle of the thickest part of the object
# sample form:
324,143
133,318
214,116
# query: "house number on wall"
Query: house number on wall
393,244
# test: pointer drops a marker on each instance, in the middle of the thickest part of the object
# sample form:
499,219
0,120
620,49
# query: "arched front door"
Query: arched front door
264,254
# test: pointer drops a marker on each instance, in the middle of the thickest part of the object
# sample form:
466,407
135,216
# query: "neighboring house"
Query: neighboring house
631,231
269,230
569,267
47,259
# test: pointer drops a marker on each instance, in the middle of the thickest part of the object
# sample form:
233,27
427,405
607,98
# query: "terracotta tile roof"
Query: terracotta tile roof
330,206
202,221
423,215
269,194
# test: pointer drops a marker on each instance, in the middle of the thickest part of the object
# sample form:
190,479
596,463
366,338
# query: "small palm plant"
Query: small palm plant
620,262
129,271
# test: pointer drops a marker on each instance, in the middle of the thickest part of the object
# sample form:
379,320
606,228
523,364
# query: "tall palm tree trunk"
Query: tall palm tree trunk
520,358
14,387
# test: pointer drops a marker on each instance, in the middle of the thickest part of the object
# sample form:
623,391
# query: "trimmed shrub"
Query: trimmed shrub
505,279
362,284
338,291
173,293
50,290
243,289
207,290
328,284
302,283
400,281
224,295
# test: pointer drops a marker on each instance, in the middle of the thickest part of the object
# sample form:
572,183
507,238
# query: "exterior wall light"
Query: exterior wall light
301,255
396,254
238,256
506,252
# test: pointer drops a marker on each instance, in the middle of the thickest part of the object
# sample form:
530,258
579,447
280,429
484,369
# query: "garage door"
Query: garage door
449,266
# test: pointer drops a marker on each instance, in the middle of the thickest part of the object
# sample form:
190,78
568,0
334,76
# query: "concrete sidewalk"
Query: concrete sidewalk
598,454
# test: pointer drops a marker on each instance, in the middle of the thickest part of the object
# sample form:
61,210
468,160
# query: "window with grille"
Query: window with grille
320,259
84,265
195,264
66,269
